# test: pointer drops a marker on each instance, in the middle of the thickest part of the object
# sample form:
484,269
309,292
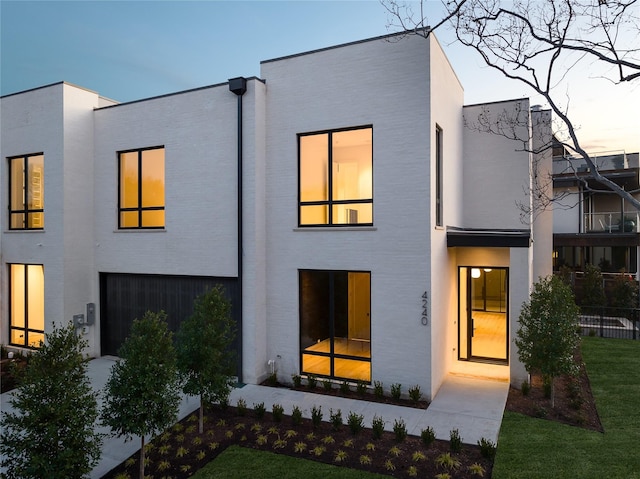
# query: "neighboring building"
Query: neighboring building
366,234
591,223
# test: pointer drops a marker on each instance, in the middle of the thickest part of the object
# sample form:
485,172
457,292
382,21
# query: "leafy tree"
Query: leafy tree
205,362
593,295
538,44
624,294
548,334
50,432
142,393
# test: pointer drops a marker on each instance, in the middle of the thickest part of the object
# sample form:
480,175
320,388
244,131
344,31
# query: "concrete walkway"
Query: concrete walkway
473,406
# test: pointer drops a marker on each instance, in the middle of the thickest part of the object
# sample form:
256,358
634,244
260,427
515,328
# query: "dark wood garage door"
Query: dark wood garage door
125,297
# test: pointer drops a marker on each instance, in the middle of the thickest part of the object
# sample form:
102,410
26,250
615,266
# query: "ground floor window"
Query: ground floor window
335,324
26,304
610,259
483,310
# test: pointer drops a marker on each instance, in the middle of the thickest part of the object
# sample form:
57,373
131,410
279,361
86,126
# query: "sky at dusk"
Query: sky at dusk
129,50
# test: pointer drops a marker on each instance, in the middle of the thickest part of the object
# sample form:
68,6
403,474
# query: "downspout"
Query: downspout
239,87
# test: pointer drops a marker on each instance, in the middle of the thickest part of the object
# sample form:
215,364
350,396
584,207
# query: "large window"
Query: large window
335,324
26,192
141,188
26,304
336,177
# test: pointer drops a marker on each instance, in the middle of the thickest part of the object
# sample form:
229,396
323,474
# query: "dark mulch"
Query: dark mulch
182,451
574,403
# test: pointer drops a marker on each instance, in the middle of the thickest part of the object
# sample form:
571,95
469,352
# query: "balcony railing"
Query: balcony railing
610,222
603,161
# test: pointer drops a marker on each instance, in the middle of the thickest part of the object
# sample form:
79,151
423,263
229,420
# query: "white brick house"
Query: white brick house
379,238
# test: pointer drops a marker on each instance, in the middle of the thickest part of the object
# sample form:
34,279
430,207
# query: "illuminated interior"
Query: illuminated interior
142,189
26,192
26,304
336,178
335,324
483,332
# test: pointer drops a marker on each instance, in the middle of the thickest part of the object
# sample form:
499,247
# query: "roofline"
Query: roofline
49,86
216,85
347,44
496,102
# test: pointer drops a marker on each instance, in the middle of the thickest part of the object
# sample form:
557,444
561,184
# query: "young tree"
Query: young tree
50,432
548,334
142,393
205,361
538,43
624,294
593,295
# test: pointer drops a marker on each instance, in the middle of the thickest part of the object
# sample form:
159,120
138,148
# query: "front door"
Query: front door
483,314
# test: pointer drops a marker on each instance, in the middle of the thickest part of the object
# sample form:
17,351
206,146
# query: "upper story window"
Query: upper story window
26,192
141,188
336,177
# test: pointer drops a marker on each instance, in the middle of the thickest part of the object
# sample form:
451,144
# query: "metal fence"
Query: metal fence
619,323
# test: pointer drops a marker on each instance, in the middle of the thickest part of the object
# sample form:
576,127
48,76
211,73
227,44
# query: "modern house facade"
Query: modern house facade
361,230
591,223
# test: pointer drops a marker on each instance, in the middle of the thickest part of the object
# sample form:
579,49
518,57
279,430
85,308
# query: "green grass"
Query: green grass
239,463
535,448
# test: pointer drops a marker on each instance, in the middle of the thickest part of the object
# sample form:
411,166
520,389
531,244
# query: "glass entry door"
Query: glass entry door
483,319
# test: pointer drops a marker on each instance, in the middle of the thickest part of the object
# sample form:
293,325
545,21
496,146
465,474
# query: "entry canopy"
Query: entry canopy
491,238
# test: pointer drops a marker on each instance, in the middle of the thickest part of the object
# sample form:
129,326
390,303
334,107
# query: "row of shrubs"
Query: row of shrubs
361,387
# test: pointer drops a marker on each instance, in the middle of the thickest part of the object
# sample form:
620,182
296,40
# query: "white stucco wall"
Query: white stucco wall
385,84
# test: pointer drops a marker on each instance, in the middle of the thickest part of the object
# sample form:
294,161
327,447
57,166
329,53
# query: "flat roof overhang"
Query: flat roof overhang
629,179
488,238
596,239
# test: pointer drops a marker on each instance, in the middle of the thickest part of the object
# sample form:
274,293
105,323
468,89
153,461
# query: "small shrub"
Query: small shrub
310,436
290,434
214,445
443,475
365,460
378,389
395,451
592,333
396,391
328,440
377,427
356,422
370,447
525,387
476,470
344,387
455,441
340,456
487,448
316,416
241,407
447,461
163,466
327,385
400,430
262,439
279,444
336,419
221,423
312,382
415,393
272,380
185,468
296,415
297,380
361,388
256,427
240,426
201,455
224,403
389,466
259,410
412,471
196,441
427,435
273,430
277,411
540,412
418,456
299,447
228,434
182,451
576,403
318,451
347,443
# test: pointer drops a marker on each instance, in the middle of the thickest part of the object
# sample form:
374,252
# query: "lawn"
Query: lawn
535,448
239,463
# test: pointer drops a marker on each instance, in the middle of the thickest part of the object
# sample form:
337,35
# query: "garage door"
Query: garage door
125,297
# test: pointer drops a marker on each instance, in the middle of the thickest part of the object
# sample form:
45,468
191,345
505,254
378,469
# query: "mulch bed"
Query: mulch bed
574,403
224,427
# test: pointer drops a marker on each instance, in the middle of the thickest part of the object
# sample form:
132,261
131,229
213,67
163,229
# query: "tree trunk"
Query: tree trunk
142,457
201,418
553,392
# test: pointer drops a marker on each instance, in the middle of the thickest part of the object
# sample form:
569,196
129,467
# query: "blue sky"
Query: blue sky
127,50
